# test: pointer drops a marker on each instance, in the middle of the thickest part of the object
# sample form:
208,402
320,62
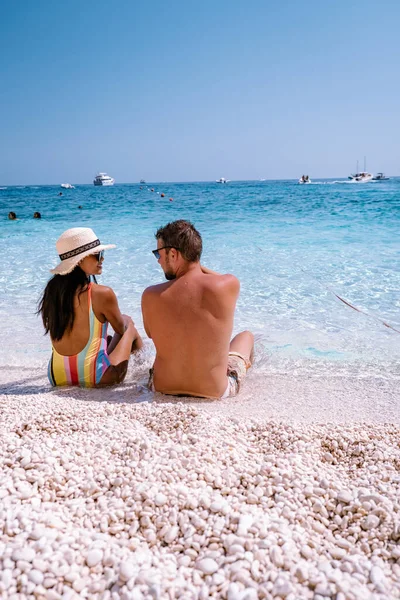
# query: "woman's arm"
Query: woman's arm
106,303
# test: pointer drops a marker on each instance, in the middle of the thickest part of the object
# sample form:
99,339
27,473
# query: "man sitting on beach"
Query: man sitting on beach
190,320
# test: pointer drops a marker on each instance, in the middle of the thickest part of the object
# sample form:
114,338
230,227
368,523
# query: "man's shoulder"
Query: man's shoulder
226,281
155,290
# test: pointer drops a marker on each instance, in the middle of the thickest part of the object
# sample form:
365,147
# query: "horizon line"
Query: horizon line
20,185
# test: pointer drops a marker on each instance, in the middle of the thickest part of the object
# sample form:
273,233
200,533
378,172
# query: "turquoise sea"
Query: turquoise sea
295,248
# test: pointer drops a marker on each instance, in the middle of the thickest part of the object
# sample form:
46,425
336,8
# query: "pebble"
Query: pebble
245,522
171,534
208,566
344,497
376,575
160,500
127,570
94,557
26,554
306,551
282,588
338,553
35,576
79,584
301,573
370,522
276,556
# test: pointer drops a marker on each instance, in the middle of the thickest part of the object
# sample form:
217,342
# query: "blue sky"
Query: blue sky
181,91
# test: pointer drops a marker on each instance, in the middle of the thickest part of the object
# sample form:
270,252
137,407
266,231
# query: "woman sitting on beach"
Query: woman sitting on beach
76,312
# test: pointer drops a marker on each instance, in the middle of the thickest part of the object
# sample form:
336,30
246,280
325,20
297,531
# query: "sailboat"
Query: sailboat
361,176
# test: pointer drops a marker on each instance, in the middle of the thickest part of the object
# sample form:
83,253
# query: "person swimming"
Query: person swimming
76,312
37,215
12,216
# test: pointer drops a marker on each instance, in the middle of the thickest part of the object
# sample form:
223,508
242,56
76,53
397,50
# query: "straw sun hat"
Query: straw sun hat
74,245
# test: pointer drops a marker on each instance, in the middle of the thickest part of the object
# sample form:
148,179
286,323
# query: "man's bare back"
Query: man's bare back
190,319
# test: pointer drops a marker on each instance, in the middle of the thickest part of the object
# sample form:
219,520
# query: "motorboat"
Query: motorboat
67,186
142,181
304,179
222,180
103,179
380,177
361,177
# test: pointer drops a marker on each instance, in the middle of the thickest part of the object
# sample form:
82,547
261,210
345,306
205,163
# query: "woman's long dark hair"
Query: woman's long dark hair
57,302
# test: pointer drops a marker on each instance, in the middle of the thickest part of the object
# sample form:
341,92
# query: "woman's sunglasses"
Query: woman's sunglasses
99,255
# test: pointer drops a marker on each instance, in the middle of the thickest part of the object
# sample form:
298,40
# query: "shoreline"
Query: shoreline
104,498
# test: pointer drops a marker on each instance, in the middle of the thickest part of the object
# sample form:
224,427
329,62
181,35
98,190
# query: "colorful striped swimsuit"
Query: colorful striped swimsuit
88,367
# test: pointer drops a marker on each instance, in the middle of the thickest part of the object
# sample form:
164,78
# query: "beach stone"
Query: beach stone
344,497
208,566
276,556
160,499
376,575
26,554
370,522
79,584
171,534
307,552
127,570
94,557
53,595
35,576
301,573
6,578
282,588
338,553
37,532
49,582
245,522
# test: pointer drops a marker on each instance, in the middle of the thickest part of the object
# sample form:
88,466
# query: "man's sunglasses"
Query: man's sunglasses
99,255
157,251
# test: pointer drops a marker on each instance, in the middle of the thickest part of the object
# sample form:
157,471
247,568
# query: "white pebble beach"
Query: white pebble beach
106,496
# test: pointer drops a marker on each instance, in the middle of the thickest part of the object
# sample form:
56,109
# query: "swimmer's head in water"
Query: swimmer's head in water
12,216
37,215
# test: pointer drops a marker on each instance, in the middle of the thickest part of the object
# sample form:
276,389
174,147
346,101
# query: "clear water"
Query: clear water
293,248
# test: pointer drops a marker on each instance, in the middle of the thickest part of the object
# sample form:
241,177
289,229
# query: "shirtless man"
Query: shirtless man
190,320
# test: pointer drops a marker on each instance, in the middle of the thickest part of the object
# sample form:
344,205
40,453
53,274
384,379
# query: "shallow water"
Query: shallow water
294,248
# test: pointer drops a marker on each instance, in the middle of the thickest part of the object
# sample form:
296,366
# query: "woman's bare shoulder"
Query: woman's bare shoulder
102,292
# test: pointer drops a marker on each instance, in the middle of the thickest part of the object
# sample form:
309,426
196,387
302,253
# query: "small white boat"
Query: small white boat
103,179
380,177
222,180
304,179
67,186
